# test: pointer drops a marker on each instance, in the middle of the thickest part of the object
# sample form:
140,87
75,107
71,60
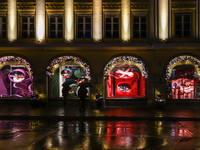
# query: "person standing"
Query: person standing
82,93
65,91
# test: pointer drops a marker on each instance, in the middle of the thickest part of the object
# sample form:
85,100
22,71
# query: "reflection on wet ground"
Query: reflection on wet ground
92,135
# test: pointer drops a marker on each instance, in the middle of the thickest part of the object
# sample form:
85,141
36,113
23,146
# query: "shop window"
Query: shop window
139,26
182,25
27,26
184,83
72,72
16,81
2,26
55,26
111,26
125,81
83,26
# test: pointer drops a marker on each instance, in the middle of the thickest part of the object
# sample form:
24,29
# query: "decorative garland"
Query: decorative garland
66,58
19,59
124,59
181,59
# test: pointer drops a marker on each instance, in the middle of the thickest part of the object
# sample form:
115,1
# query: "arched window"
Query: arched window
183,78
15,77
125,77
69,69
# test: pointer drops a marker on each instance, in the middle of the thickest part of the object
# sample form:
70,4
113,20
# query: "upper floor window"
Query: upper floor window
83,26
55,26
182,25
2,26
27,26
111,26
139,26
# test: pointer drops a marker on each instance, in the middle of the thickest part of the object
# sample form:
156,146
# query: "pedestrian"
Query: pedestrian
82,93
65,91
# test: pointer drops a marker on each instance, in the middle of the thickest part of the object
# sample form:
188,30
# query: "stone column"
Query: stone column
126,20
197,33
69,20
152,21
40,21
12,20
163,19
97,20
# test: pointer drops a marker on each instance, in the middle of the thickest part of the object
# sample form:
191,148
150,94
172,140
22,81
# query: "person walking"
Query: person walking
82,93
65,91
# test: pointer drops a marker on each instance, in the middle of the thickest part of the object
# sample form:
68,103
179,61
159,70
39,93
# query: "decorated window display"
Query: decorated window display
183,81
124,77
67,70
15,78
125,81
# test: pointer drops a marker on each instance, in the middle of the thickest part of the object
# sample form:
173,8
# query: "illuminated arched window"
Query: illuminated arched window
125,77
183,78
68,69
15,77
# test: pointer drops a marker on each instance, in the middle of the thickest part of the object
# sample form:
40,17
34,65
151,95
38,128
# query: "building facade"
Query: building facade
131,50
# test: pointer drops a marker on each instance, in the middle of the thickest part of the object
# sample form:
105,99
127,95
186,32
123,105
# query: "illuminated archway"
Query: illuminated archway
125,77
67,68
16,77
183,78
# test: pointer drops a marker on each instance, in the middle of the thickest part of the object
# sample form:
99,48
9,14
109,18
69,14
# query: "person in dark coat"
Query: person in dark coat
82,93
65,91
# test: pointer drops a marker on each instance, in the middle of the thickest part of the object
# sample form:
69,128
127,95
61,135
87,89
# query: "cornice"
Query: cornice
26,5
54,5
3,5
83,5
111,5
182,4
139,5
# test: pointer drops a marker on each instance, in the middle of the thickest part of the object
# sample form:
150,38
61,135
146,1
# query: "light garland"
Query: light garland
128,59
67,58
178,59
18,59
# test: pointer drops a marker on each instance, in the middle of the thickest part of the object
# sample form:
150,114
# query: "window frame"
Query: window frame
84,24
28,24
1,26
51,12
190,11
182,25
112,16
108,12
139,15
56,25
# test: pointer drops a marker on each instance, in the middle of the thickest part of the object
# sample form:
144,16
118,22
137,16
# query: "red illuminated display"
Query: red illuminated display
125,81
184,83
183,88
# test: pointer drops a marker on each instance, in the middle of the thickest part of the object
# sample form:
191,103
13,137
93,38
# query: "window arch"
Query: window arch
183,78
65,69
125,77
16,77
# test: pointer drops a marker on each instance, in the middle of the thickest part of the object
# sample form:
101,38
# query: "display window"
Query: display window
73,73
15,79
71,70
183,81
125,77
125,81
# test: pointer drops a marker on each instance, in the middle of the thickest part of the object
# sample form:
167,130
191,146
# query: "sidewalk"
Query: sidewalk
72,113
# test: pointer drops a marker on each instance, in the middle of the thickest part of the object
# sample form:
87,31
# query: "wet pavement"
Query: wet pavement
65,128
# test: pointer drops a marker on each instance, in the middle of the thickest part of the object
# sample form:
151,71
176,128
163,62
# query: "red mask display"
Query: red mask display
125,83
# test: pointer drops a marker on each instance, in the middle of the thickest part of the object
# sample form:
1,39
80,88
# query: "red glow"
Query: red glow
124,83
183,88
